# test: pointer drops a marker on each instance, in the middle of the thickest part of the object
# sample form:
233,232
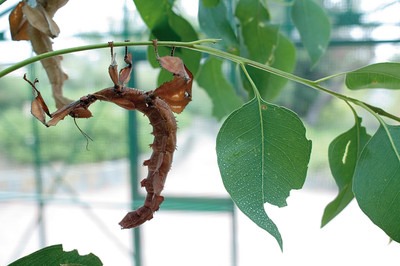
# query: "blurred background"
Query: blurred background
55,191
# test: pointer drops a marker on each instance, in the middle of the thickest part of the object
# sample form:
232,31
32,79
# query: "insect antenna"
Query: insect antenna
87,137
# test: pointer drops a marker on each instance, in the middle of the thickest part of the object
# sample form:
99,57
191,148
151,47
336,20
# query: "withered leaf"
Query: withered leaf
39,18
42,44
52,6
37,25
18,23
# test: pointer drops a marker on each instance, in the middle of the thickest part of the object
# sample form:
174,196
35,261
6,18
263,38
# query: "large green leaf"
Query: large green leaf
221,92
214,22
376,183
381,75
55,255
343,154
313,25
262,154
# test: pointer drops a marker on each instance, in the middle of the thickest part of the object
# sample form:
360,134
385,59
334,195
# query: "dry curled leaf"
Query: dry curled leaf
18,23
39,18
52,65
37,25
52,6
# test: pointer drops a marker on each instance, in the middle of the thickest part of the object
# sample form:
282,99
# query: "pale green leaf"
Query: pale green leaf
283,58
343,153
248,10
264,44
209,3
376,182
258,35
262,155
166,25
215,23
381,75
221,92
314,27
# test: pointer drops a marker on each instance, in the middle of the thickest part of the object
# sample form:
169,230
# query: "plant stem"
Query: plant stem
330,77
198,46
97,46
312,84
253,85
272,70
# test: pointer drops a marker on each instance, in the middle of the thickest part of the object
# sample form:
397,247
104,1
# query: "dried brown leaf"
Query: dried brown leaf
18,23
52,6
36,24
41,43
39,18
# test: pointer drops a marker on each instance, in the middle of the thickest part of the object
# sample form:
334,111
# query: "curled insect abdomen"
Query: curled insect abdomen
164,130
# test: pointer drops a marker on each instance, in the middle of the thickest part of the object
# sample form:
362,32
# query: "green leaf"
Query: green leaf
55,255
153,12
262,154
209,3
343,153
376,183
283,58
259,36
214,22
221,92
314,27
165,25
264,44
248,10
381,75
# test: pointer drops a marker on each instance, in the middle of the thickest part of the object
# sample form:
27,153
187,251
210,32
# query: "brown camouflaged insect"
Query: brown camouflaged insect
157,105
